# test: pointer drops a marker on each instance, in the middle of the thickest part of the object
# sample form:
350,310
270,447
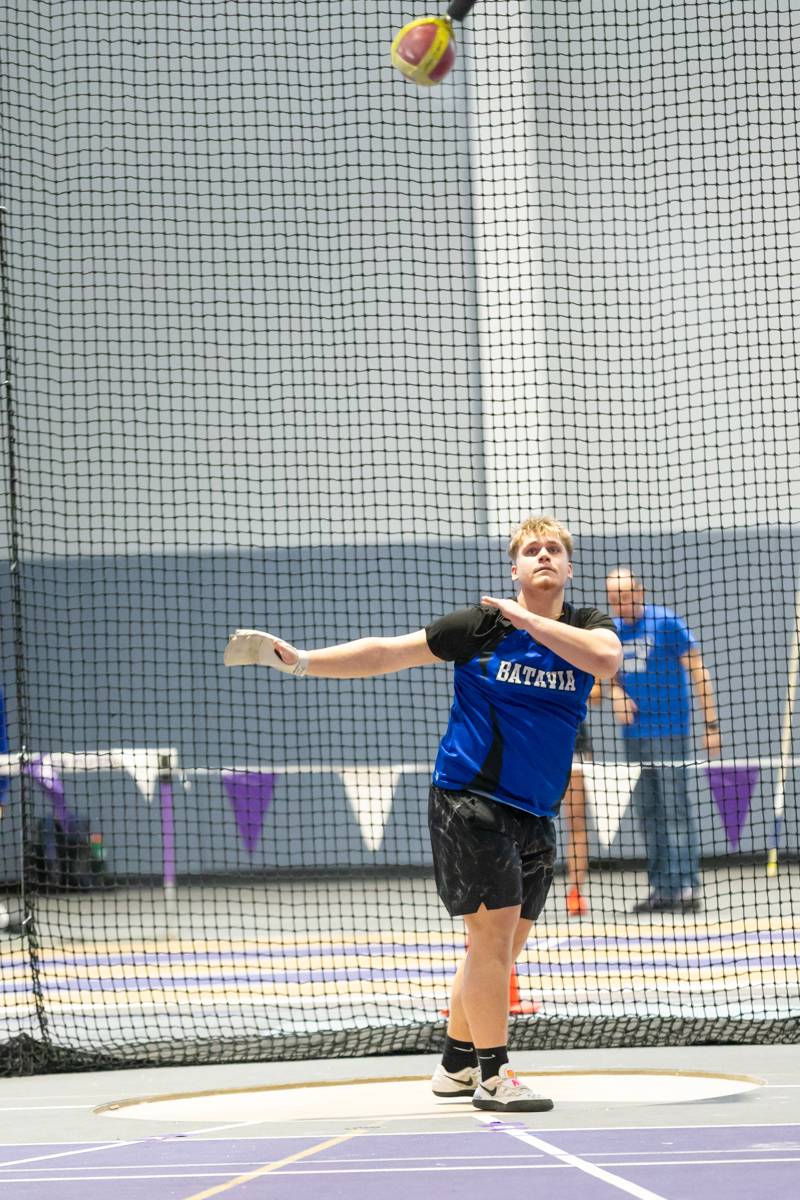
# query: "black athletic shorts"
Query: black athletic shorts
489,853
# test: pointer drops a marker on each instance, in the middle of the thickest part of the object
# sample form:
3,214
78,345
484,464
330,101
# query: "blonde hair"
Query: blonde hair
539,527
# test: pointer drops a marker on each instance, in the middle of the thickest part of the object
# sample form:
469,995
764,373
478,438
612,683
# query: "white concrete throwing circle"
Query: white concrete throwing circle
364,1099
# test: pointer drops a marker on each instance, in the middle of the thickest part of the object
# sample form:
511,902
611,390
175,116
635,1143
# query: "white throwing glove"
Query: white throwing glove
253,647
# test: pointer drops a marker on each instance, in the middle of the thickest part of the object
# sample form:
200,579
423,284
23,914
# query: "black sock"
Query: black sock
457,1055
490,1061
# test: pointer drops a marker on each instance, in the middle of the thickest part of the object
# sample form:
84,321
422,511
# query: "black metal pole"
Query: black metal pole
20,675
458,9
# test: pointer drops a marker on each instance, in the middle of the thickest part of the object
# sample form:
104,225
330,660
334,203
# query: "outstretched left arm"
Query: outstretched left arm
360,659
596,651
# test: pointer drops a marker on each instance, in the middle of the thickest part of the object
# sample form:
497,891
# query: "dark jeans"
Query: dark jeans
666,815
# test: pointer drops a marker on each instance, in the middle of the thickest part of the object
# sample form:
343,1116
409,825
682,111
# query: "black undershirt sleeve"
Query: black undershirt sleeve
461,635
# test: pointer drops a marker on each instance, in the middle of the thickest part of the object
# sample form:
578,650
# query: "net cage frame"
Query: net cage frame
291,343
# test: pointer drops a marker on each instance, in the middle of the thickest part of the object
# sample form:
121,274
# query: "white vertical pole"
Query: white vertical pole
506,231
786,740
166,780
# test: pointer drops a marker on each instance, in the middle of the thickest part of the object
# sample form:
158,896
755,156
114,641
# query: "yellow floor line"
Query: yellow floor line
274,1166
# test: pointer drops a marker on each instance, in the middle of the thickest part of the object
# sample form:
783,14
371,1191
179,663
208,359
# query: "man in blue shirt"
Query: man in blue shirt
523,670
652,699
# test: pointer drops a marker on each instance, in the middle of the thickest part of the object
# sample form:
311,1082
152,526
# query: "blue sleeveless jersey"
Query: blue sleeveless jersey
516,708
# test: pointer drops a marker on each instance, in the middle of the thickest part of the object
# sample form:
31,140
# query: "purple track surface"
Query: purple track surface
738,1162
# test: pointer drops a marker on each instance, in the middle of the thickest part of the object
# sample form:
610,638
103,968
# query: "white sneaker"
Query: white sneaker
458,1083
505,1093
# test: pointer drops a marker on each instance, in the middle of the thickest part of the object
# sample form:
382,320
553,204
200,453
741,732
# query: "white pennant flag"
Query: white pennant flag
141,763
370,791
609,787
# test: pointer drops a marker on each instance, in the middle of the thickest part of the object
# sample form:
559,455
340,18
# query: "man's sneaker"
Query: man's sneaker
505,1093
455,1083
577,905
655,904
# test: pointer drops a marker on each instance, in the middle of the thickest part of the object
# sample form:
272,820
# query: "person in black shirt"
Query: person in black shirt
523,669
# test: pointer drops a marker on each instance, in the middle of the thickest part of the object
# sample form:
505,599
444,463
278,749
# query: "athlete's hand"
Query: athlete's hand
623,707
253,647
519,617
712,742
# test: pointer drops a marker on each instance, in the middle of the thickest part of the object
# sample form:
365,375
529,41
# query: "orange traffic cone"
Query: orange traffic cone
517,1007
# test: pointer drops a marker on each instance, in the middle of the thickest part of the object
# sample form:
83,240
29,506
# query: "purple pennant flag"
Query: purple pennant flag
732,788
249,793
43,774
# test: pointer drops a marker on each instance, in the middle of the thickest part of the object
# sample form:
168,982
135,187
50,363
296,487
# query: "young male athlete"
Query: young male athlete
523,671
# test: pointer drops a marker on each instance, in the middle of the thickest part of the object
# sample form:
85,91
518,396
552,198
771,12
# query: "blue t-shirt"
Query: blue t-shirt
516,708
653,675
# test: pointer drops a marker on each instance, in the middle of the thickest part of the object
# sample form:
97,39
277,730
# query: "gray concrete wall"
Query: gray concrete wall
130,654
251,382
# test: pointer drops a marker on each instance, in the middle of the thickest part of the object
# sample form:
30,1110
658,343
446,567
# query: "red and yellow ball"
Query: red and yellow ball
425,50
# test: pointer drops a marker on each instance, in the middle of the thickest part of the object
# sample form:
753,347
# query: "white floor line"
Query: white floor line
572,1160
43,1107
378,1131
182,1171
666,1128
113,1178
18,1162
